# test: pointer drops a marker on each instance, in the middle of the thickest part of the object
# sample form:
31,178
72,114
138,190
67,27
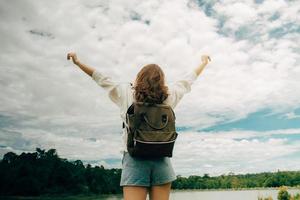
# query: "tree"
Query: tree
9,157
283,194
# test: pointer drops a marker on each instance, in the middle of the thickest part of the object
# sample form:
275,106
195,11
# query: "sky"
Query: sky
241,116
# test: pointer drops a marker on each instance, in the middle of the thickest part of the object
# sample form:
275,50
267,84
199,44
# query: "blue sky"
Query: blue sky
262,120
242,114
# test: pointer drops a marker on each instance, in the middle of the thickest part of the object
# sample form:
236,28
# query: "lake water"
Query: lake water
218,195
198,195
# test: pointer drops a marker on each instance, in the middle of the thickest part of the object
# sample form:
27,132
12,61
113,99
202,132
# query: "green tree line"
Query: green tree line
44,172
231,181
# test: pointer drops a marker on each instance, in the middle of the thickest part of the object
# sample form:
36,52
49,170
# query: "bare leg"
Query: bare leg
135,192
160,192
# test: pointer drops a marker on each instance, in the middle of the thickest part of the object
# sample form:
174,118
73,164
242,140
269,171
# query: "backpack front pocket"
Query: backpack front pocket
149,146
155,136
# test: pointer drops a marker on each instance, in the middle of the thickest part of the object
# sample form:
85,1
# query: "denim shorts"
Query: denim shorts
146,172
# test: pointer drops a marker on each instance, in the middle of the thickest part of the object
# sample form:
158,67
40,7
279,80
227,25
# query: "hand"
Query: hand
74,57
205,59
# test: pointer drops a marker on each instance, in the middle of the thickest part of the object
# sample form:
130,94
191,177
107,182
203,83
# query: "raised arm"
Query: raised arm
183,85
205,59
114,89
88,70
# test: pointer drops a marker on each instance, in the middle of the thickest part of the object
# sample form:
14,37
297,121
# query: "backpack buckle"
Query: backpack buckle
164,118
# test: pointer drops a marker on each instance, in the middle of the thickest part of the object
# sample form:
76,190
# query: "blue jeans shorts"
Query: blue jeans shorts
146,172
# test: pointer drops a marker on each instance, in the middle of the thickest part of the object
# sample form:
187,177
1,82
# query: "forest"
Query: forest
44,172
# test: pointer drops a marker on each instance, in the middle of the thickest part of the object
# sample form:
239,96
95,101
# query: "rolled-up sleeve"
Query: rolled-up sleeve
113,88
178,89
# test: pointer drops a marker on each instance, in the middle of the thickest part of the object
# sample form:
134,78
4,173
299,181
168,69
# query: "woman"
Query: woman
140,176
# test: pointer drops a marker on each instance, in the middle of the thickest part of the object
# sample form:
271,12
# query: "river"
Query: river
192,194
218,194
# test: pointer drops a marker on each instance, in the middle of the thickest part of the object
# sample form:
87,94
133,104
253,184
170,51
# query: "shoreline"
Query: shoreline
239,189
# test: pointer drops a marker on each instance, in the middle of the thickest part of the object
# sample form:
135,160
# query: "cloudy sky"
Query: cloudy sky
242,115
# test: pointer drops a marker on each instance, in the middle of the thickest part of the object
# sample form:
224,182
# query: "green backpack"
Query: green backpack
150,129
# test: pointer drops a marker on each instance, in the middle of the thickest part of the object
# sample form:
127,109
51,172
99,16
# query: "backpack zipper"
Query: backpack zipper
135,140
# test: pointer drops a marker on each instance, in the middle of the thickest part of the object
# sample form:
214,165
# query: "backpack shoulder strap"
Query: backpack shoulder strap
129,110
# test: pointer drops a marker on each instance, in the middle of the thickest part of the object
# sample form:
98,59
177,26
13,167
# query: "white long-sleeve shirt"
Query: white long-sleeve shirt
122,94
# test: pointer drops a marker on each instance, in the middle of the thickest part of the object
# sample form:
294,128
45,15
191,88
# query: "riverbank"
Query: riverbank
238,189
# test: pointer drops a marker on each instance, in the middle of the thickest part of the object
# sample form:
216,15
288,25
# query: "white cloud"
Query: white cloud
291,115
237,82
69,145
239,13
234,151
269,6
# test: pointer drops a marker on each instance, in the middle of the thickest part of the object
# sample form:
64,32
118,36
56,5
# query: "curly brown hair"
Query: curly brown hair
150,85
